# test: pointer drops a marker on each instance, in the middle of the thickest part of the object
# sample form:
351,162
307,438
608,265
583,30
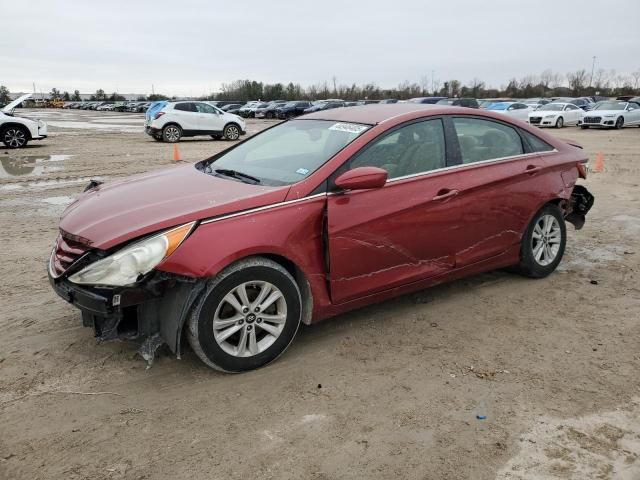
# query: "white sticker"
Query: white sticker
348,127
302,171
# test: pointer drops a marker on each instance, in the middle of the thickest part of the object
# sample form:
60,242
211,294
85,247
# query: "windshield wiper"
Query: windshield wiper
236,174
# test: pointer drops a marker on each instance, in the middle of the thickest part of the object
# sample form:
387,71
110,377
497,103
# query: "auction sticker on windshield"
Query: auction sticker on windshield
348,127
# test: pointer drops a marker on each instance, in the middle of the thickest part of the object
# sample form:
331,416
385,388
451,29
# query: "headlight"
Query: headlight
125,266
611,115
550,116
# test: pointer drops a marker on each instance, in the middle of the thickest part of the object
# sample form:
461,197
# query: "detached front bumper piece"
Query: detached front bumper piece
150,312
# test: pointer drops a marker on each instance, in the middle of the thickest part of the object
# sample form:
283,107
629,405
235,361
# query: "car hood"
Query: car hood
113,213
542,113
602,113
16,102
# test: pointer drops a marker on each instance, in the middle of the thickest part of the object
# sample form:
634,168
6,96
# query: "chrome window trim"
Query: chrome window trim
461,165
260,209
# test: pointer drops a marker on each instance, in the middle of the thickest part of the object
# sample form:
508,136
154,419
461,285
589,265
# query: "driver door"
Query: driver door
401,233
209,119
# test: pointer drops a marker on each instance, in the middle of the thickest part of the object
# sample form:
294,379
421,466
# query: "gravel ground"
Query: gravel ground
389,391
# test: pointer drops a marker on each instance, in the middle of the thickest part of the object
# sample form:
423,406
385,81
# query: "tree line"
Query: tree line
580,83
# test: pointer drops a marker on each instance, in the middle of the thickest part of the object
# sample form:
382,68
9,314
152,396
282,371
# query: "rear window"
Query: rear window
185,107
482,140
536,144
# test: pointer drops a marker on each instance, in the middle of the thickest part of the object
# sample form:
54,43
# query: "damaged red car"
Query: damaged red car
311,218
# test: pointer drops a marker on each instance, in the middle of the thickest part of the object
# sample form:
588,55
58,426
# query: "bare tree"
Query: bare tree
577,81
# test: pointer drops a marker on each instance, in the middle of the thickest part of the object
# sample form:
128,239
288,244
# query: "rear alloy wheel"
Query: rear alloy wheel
543,243
247,317
560,122
171,133
231,132
15,137
619,123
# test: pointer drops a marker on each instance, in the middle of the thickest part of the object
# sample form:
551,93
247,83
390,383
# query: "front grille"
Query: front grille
591,119
534,120
65,253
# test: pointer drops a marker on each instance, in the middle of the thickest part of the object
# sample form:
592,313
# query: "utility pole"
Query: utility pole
593,66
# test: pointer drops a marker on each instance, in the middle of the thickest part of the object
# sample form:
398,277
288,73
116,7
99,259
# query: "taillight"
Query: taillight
582,171
158,115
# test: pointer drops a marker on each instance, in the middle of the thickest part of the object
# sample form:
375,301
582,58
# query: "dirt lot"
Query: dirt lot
390,391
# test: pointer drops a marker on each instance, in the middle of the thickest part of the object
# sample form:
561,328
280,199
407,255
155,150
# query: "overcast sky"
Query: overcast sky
191,47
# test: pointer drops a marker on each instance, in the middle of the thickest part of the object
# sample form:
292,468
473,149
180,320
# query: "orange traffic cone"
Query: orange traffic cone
176,153
599,164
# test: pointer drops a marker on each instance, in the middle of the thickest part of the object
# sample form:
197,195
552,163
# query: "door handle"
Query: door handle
445,193
531,169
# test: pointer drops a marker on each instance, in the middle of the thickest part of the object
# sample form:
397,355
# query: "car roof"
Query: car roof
378,112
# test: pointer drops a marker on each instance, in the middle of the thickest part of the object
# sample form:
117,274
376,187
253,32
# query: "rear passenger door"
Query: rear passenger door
186,114
497,188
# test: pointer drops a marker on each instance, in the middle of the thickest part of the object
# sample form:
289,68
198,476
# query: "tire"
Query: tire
538,258
270,115
619,123
157,138
216,137
560,122
171,133
231,132
229,334
15,137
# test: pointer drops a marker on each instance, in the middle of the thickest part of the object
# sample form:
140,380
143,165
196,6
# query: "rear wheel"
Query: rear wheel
619,123
15,137
171,133
560,122
248,316
231,132
543,243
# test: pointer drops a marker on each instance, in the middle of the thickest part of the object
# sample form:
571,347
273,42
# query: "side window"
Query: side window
486,140
415,148
205,108
535,143
185,107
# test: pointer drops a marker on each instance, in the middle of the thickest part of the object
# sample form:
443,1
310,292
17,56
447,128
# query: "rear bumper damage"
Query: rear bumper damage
150,313
579,205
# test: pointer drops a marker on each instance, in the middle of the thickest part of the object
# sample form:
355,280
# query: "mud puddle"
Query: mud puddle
31,165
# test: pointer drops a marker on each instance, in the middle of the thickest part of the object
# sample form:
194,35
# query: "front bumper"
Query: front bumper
540,121
597,121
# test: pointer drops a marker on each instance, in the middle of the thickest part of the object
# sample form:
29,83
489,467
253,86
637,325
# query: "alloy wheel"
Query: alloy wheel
15,138
249,319
232,132
172,134
546,239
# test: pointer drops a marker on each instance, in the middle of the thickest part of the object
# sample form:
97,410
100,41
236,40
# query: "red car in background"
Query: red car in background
311,218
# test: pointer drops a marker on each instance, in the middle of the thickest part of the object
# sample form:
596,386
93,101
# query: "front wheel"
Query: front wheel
560,122
247,317
543,243
15,137
619,123
231,132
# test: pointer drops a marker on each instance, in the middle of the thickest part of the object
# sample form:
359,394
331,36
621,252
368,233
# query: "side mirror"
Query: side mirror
362,178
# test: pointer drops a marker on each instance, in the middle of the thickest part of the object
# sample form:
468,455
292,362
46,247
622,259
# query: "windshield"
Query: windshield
289,152
610,106
553,107
499,106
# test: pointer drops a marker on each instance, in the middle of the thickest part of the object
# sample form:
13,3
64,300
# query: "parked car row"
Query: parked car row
135,107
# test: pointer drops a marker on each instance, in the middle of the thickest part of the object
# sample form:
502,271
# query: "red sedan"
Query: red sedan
311,218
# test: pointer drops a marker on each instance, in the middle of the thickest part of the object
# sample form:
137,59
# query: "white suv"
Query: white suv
15,132
170,121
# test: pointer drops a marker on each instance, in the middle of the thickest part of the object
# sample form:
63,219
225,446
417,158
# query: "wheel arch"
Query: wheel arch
7,125
173,327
